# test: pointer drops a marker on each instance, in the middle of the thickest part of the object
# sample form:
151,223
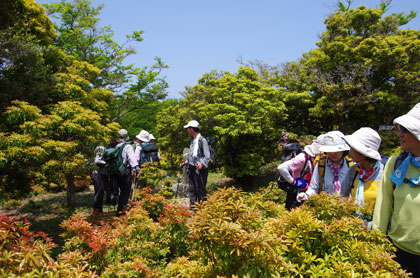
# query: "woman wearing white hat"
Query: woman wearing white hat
336,166
142,137
363,178
399,194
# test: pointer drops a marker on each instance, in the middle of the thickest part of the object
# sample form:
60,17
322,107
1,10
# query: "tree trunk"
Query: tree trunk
71,195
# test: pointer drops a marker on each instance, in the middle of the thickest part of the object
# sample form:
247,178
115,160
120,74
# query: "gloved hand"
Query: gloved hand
301,183
302,196
137,169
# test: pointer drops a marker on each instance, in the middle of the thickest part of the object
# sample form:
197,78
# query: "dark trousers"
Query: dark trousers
124,183
101,185
291,194
197,184
409,262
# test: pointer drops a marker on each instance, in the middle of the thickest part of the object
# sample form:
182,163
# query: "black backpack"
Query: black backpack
291,150
150,152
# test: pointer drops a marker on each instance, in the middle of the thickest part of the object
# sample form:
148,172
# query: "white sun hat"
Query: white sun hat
411,121
151,137
192,123
312,149
366,141
333,142
143,136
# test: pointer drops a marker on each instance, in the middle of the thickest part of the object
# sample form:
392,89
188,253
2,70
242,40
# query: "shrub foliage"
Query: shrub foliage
232,234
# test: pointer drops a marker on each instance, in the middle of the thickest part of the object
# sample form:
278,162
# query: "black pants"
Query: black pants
291,194
197,184
409,262
101,185
124,184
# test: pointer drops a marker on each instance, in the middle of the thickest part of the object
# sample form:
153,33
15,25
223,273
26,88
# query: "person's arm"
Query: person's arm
284,171
348,182
130,156
206,152
314,185
384,199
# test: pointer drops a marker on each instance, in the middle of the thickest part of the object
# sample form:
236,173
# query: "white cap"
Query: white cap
192,123
411,121
366,141
143,136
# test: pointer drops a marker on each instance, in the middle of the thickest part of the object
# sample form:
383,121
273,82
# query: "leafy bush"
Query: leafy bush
24,253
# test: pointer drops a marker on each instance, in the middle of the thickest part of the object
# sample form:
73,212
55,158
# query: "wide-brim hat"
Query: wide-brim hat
143,136
192,123
333,142
151,137
366,141
411,121
312,149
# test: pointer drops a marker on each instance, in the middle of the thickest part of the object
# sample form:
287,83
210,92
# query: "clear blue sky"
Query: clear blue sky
194,37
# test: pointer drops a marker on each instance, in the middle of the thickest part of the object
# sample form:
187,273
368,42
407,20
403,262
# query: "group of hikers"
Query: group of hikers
351,165
118,164
121,162
346,165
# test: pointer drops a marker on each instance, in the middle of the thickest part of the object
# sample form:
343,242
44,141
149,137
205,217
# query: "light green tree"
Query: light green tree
238,112
81,36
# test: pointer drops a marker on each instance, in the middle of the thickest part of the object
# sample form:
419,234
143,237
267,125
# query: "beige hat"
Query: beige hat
192,123
312,149
366,141
333,142
123,134
411,121
143,136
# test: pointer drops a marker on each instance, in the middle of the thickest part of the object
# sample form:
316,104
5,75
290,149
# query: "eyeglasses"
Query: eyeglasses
403,129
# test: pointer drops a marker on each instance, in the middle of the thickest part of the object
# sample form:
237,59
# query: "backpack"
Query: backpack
149,153
210,143
291,150
113,160
321,168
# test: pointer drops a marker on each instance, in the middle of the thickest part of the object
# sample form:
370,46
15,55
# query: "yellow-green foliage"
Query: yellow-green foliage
232,234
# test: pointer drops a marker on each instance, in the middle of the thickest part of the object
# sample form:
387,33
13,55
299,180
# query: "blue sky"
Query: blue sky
195,37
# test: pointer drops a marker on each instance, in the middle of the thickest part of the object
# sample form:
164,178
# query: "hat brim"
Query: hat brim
411,123
362,149
333,149
141,138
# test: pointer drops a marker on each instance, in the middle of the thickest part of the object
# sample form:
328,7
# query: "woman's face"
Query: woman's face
335,156
408,141
356,156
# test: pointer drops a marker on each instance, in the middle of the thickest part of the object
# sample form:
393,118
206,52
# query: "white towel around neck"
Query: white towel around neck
195,149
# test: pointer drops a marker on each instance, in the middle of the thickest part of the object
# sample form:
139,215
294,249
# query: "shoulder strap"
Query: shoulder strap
321,171
349,161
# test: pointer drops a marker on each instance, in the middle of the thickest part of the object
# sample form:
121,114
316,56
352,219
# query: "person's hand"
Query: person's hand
302,196
198,165
301,183
182,164
137,170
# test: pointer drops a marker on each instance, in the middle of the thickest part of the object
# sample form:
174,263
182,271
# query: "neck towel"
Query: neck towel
364,176
398,176
336,171
195,148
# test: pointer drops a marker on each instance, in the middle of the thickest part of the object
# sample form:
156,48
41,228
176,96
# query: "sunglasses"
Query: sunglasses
403,129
